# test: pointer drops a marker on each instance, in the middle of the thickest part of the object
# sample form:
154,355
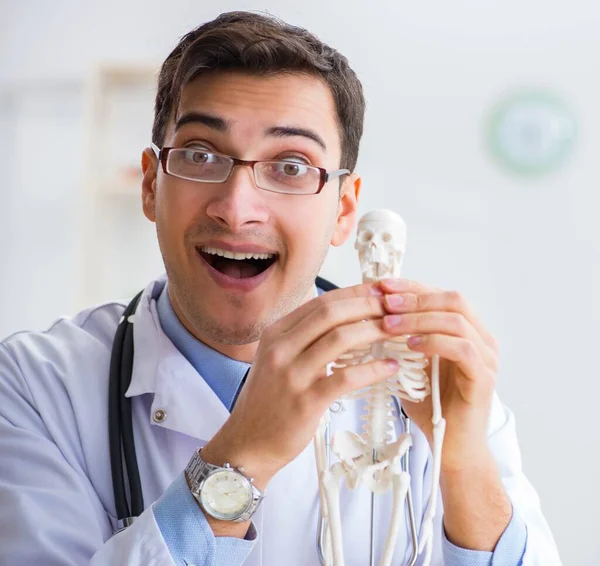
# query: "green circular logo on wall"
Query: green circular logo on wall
531,132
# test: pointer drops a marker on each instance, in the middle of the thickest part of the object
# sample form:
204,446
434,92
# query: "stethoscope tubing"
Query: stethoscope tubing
120,422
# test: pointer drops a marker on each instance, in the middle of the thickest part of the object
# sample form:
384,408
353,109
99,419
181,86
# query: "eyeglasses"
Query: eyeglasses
278,176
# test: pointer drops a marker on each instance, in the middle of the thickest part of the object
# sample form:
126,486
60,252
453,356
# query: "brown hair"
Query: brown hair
264,45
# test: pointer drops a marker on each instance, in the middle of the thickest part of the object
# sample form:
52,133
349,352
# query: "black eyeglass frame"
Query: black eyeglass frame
325,176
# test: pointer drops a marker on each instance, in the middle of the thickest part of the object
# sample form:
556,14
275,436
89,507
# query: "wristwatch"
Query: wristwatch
225,493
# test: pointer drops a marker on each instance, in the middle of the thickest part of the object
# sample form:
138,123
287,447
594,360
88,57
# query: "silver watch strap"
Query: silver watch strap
198,470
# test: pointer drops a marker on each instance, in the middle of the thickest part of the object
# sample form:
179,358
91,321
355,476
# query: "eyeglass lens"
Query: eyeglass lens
279,176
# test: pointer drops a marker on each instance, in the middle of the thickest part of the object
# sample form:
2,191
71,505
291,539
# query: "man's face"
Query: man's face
227,301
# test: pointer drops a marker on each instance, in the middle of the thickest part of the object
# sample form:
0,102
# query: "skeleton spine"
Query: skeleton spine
379,417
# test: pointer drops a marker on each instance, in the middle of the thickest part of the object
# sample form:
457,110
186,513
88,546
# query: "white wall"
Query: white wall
525,252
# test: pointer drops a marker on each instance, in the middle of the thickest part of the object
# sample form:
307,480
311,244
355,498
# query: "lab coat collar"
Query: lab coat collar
190,405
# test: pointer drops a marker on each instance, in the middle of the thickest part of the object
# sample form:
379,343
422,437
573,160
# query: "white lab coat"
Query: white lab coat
56,498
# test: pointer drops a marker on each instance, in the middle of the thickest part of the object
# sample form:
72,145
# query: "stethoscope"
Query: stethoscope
122,443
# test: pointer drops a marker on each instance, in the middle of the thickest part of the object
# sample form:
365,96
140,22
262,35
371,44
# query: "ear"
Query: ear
149,169
346,215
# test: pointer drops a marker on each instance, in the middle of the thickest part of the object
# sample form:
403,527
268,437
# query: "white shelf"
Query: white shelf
119,248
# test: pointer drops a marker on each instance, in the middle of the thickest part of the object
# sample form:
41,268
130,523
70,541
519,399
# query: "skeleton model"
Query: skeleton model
373,457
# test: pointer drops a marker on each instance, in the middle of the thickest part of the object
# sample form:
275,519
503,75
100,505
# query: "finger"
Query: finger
461,351
405,286
332,314
447,323
352,378
363,290
338,341
450,301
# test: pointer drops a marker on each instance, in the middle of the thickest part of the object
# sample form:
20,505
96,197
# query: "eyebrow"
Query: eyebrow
291,131
209,120
222,125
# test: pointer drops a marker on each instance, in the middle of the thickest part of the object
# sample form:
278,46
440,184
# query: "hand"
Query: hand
287,390
443,323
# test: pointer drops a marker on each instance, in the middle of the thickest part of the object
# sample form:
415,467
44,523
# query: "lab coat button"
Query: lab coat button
159,416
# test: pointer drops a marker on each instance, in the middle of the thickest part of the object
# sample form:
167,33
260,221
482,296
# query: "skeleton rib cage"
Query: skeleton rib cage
373,457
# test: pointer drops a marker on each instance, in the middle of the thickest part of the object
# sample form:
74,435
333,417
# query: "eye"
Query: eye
291,168
199,156
386,237
366,237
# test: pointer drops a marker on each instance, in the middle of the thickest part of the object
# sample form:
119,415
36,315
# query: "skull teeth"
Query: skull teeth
235,255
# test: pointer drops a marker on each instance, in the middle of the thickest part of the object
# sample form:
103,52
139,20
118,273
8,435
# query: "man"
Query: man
242,242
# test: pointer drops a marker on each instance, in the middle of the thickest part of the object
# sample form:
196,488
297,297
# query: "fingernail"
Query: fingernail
415,340
393,319
392,364
376,291
394,300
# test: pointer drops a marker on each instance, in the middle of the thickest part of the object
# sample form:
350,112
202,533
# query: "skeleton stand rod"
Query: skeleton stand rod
378,277
411,512
373,519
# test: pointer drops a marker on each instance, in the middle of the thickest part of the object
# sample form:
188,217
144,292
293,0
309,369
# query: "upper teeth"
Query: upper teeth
236,255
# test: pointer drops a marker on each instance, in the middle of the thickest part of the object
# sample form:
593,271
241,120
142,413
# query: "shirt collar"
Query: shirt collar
222,373
159,368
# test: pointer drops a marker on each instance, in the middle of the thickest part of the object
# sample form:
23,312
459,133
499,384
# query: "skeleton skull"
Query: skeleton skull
381,242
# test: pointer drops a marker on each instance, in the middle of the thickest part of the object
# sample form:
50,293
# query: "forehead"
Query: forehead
251,103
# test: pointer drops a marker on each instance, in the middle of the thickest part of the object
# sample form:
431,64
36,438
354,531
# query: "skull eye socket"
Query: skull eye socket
366,237
387,237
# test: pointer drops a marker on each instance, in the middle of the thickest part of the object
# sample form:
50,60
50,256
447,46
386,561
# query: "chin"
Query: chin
226,323
237,333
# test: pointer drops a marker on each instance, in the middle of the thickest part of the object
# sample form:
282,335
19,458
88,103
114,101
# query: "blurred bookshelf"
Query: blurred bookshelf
118,247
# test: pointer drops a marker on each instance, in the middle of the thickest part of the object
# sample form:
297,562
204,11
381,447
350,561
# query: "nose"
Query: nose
238,201
377,250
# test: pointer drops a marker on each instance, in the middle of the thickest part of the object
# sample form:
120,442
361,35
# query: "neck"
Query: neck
240,352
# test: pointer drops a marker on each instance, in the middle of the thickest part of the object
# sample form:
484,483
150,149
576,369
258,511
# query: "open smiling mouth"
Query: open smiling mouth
237,265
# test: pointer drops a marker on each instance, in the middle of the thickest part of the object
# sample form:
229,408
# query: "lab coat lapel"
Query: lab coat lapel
190,405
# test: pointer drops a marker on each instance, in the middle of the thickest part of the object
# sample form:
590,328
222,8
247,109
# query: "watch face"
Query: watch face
226,494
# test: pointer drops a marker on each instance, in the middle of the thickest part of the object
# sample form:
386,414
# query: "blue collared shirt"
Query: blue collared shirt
223,374
185,528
